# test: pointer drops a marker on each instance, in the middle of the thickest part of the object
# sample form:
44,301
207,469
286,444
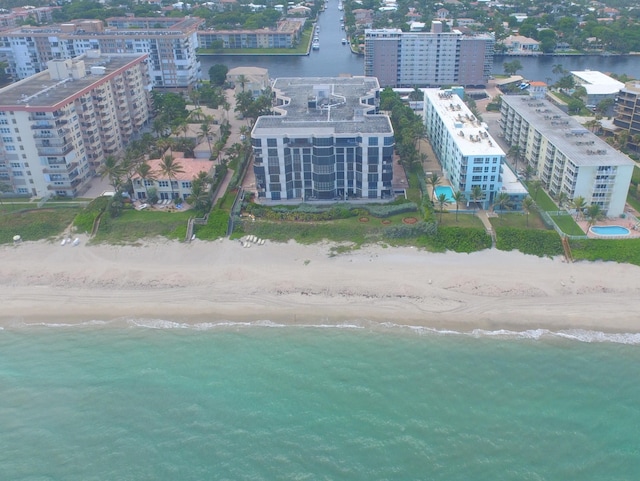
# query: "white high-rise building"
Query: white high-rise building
566,156
428,59
57,127
469,156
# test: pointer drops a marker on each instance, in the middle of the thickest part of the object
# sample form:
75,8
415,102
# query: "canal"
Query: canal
334,59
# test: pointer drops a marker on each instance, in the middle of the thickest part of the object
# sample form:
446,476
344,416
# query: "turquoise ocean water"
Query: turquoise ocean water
163,401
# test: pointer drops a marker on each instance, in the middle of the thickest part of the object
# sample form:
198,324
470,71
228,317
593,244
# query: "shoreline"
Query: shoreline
212,282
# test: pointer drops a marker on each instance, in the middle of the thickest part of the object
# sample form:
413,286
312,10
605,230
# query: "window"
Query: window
163,183
186,185
272,142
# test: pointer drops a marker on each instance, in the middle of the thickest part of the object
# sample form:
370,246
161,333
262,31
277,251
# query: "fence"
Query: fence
235,210
547,218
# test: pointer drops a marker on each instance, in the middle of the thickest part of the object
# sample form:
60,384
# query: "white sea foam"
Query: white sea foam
580,335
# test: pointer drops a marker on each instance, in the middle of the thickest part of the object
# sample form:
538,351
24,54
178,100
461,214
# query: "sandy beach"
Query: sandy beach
292,283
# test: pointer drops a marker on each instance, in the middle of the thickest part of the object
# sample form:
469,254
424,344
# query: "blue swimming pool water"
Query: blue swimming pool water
609,230
445,189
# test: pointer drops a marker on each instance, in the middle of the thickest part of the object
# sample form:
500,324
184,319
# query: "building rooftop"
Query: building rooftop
469,134
597,83
41,90
191,167
325,106
576,142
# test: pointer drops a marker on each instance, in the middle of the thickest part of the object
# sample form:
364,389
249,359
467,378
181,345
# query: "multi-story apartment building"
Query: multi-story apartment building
286,35
428,59
566,156
57,126
22,14
326,141
469,156
171,46
627,109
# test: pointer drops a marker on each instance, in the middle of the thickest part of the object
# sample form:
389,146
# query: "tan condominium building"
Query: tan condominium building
57,126
169,43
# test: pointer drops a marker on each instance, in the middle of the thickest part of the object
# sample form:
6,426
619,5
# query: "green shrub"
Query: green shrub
83,222
615,250
461,239
405,231
215,228
542,243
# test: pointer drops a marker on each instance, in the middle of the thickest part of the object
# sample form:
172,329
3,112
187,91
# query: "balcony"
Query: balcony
56,151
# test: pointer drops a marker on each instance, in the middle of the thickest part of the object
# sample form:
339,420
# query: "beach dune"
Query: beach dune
291,283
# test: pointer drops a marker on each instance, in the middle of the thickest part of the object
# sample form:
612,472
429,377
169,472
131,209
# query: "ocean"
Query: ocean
163,401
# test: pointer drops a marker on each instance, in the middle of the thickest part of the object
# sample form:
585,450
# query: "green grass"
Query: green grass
464,220
568,225
542,199
35,224
518,220
133,225
215,228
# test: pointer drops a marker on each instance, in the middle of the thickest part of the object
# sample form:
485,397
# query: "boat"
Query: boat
315,45
339,6
344,41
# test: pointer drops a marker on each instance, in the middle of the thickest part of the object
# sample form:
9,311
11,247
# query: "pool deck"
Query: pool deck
634,232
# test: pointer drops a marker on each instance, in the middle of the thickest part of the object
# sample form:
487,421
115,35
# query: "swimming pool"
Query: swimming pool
605,230
446,190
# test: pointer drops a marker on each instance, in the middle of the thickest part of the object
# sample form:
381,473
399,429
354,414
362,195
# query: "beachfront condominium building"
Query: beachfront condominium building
627,109
470,158
57,126
428,59
567,157
325,141
169,43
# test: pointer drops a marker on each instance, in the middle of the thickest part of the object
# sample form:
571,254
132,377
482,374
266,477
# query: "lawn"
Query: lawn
542,199
35,224
133,225
518,220
568,225
463,220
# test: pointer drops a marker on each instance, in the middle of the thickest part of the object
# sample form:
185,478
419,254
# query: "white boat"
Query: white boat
344,41
315,45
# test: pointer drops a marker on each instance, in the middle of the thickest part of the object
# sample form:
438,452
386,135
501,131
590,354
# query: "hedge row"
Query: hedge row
541,243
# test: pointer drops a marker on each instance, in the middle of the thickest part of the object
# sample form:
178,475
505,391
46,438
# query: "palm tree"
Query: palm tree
112,169
562,199
433,180
170,168
442,201
242,80
502,202
205,132
594,213
558,69
527,207
579,204
476,194
515,151
145,173
182,126
458,198
529,172
535,186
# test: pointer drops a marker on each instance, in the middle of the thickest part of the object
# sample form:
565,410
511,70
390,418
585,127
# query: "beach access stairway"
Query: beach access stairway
567,248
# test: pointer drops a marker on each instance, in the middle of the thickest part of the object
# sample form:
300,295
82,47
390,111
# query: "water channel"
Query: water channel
334,59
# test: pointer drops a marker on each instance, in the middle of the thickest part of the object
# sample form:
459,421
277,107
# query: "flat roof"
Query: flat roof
470,135
597,83
40,90
325,106
575,141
